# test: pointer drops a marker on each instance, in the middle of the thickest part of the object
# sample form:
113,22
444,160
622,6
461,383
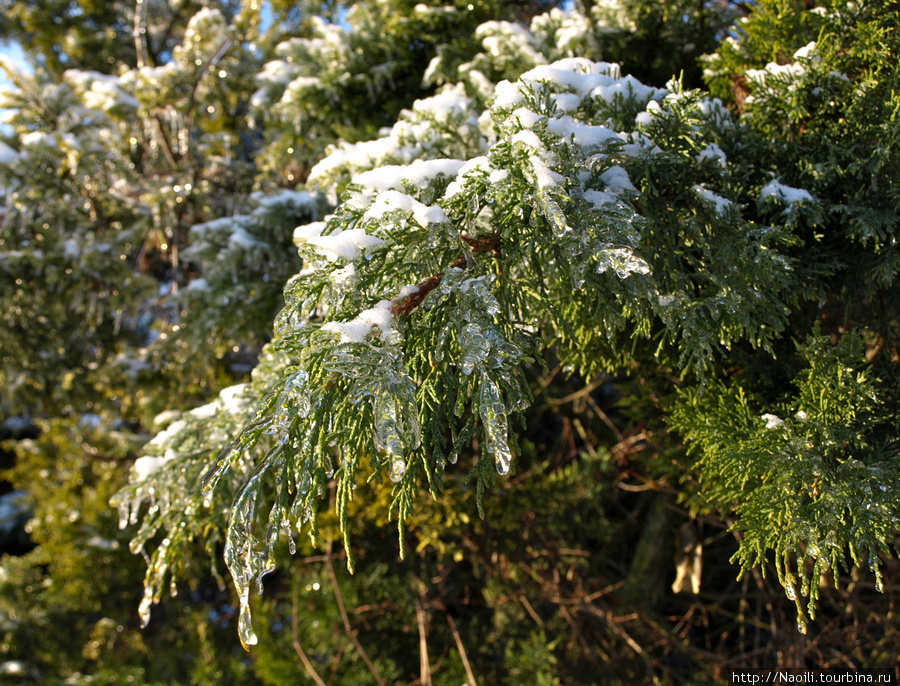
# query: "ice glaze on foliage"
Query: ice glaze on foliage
567,207
436,280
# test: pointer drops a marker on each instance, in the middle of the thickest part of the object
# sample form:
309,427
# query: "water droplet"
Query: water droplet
801,625
398,467
789,591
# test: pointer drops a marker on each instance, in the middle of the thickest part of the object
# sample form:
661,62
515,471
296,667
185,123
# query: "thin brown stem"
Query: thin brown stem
424,664
295,636
478,245
462,652
348,629
139,31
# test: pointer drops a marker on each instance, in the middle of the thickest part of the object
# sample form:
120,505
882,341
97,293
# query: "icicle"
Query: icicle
294,400
397,467
554,214
387,436
493,416
144,607
243,562
474,347
124,507
875,568
245,625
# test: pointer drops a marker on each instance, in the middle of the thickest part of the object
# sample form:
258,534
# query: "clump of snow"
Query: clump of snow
712,152
277,71
772,421
205,411
233,399
101,91
617,179
445,105
165,418
721,204
528,119
345,245
359,328
419,174
198,285
480,164
807,52
504,38
599,198
241,238
581,134
303,233
390,201
145,467
356,330
786,194
39,139
285,198
793,70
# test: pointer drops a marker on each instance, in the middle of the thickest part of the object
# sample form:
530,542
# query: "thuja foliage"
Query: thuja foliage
615,223
523,195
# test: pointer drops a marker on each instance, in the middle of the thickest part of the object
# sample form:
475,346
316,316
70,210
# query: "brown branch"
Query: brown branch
462,651
163,137
343,610
139,32
295,635
478,245
424,666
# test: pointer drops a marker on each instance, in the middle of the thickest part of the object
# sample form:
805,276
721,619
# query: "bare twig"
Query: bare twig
295,636
462,651
140,32
424,665
529,608
205,67
329,564
166,144
607,617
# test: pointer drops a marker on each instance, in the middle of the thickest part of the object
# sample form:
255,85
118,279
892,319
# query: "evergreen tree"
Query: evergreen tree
506,288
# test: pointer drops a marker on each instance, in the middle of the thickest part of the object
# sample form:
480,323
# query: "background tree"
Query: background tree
619,332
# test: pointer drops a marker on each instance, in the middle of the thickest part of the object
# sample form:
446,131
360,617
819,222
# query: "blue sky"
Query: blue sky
14,51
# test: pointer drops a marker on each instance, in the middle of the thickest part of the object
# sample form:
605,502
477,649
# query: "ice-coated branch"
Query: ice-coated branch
407,304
